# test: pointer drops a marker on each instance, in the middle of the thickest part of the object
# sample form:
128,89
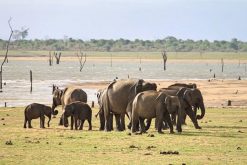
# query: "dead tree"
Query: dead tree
222,65
31,81
57,56
164,59
82,63
6,55
140,66
50,59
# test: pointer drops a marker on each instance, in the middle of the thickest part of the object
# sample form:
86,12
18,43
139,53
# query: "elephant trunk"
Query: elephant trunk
202,107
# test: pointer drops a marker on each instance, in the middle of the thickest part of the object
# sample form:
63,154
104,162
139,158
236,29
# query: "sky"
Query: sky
128,19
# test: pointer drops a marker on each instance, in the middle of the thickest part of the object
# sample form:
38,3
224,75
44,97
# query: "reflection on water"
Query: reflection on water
16,75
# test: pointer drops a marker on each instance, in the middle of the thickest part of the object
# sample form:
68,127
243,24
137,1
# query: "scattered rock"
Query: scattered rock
240,121
2,119
169,152
7,114
3,123
147,154
239,148
150,135
132,146
47,142
60,143
95,147
150,147
129,134
9,142
240,131
183,163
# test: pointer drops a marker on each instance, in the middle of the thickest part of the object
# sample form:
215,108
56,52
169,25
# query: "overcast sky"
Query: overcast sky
129,19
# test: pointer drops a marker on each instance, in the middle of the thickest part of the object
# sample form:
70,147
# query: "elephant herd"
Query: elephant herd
135,98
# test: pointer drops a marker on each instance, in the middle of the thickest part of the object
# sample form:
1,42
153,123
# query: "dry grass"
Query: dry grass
223,140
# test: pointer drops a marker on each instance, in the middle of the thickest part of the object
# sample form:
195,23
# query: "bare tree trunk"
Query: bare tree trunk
164,59
6,56
222,65
50,59
58,56
31,81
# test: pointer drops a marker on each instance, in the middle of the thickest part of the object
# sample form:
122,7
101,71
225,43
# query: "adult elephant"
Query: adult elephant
101,96
119,97
190,85
153,104
197,98
66,96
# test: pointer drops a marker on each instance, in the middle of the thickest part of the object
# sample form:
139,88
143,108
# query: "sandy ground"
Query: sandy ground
216,93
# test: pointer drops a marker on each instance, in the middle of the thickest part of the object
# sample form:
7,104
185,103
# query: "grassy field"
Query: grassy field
223,140
149,55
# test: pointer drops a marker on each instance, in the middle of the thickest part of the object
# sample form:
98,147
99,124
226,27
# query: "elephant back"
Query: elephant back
74,94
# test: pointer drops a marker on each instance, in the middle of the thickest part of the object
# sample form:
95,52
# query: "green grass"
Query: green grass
148,55
224,130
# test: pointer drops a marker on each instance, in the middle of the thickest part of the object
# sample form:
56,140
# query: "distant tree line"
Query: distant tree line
170,44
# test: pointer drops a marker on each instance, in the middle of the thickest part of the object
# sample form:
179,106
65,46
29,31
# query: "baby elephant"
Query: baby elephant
34,111
78,111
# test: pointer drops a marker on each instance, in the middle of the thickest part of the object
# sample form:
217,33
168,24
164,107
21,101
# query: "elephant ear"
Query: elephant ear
138,86
168,101
188,96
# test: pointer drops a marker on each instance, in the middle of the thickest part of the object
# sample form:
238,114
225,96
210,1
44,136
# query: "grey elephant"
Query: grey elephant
153,104
34,111
197,98
67,96
101,96
78,111
190,85
119,97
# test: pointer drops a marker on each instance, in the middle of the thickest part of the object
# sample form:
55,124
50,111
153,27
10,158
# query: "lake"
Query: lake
16,92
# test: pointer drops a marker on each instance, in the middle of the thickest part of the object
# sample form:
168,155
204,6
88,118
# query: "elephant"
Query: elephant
190,85
36,110
153,104
67,96
119,97
78,111
100,97
197,98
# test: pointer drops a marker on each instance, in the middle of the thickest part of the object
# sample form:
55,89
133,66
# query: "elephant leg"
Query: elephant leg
134,122
102,120
169,122
165,125
174,118
192,116
25,123
111,122
76,123
118,124
81,125
48,123
89,124
141,121
122,121
72,122
107,121
29,123
42,121
148,122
